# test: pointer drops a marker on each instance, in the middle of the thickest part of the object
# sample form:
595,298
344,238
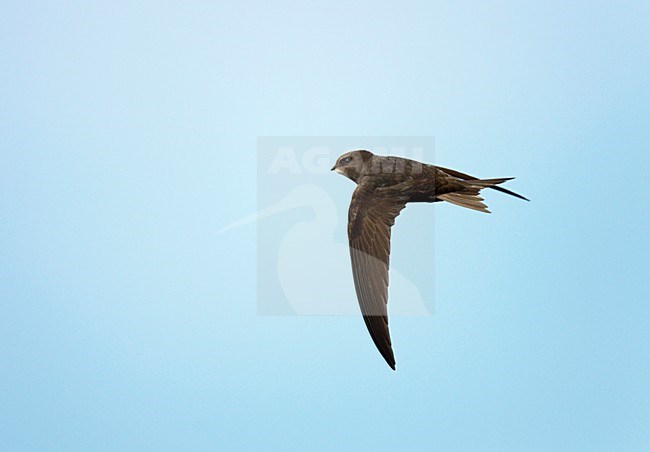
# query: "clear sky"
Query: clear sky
128,138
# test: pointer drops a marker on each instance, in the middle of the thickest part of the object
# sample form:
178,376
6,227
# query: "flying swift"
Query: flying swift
384,186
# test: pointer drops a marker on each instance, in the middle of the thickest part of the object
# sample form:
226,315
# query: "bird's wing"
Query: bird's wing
371,215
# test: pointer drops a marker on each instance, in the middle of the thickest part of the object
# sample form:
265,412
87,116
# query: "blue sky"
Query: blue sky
128,138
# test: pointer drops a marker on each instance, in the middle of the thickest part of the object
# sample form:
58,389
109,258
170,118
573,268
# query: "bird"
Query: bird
385,184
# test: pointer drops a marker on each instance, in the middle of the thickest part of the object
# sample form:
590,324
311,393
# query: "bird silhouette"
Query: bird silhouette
384,186
309,259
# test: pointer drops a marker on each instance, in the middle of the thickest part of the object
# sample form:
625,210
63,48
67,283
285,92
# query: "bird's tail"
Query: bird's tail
470,196
464,176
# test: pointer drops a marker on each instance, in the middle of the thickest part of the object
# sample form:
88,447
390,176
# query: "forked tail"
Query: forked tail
469,197
464,176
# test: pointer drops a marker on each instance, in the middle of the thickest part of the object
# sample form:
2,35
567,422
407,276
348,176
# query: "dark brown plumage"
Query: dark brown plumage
384,186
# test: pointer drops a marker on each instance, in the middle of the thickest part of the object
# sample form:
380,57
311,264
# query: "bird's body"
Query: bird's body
384,186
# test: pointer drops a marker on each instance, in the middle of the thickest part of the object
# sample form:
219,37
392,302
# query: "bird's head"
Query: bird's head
352,164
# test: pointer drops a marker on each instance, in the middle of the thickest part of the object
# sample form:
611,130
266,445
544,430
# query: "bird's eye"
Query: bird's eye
346,160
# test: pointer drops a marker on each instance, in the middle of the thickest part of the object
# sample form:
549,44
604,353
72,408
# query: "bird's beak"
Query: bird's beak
334,167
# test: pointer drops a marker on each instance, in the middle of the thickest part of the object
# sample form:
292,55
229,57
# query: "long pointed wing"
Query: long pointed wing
370,218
